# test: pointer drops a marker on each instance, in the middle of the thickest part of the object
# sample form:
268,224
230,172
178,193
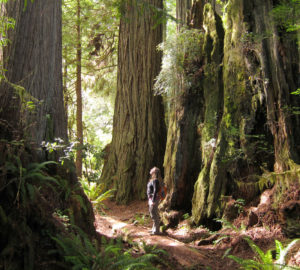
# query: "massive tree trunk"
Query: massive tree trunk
33,61
34,76
279,62
255,133
139,133
233,121
183,9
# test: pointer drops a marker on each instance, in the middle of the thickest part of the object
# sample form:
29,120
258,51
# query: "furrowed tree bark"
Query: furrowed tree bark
279,59
255,133
33,61
65,89
139,134
182,161
183,9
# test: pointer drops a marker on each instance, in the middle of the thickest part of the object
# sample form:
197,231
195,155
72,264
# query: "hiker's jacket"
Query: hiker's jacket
153,189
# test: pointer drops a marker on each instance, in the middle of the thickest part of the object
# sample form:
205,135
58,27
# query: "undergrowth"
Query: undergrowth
96,193
36,204
82,253
265,260
33,200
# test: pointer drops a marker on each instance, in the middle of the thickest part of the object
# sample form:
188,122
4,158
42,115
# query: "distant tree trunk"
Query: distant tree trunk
65,88
183,8
139,132
78,94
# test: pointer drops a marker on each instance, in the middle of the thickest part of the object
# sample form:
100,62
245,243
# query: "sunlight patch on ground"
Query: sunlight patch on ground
118,226
182,231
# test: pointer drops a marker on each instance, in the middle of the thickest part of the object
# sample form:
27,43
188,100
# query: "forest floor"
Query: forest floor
186,247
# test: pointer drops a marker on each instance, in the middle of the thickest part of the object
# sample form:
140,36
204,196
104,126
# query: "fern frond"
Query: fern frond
255,248
247,264
104,196
279,248
31,191
266,258
12,168
284,251
35,167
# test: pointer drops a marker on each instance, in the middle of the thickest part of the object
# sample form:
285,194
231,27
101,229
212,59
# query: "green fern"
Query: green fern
96,193
178,50
149,249
81,253
141,219
28,179
264,261
65,188
227,224
282,252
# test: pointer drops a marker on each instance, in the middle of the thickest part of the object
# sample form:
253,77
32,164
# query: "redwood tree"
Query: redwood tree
139,133
33,61
255,134
231,122
32,111
79,127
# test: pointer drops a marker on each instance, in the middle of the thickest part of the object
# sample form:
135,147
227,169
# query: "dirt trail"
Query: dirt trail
132,222
182,253
119,221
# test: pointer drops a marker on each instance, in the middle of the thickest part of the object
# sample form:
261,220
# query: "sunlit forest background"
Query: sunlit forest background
99,22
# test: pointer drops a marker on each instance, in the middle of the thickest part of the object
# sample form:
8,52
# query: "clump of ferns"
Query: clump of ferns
20,188
24,182
96,193
79,252
266,260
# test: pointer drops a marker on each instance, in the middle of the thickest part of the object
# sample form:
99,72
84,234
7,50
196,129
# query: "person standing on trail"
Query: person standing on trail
153,188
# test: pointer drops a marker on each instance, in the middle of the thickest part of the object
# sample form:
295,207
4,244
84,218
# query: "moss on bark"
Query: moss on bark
208,182
254,131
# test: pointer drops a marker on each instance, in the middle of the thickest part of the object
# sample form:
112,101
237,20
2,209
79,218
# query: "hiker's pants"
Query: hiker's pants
153,209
